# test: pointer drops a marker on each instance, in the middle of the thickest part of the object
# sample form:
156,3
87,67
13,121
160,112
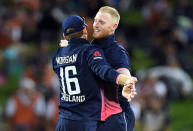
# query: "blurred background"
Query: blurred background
158,35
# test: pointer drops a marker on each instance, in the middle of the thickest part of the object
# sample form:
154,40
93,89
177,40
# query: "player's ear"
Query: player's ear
115,26
84,30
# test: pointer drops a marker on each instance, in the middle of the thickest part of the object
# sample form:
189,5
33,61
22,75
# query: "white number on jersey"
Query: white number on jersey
69,81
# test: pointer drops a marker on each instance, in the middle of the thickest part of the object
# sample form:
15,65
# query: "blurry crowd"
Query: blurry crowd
30,31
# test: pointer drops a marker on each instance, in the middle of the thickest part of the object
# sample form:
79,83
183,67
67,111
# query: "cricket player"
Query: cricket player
78,66
117,114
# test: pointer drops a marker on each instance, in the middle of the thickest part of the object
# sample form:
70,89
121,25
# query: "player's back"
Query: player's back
79,91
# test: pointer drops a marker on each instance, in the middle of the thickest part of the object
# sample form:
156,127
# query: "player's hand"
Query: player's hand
126,80
63,43
131,81
129,92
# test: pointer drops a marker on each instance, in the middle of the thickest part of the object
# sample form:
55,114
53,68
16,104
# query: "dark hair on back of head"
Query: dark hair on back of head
73,35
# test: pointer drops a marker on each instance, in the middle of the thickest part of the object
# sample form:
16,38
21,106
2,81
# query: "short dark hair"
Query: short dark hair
73,35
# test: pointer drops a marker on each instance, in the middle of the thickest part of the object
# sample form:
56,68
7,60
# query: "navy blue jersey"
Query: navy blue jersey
118,58
80,95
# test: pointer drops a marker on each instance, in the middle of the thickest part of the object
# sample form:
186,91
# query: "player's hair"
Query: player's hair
74,35
113,13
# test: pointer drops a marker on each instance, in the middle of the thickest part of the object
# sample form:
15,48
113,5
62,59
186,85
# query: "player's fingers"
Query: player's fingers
134,92
129,86
132,95
129,100
126,93
133,89
129,96
63,43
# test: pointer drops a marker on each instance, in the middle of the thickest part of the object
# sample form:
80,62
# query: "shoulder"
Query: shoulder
92,47
117,48
94,51
55,54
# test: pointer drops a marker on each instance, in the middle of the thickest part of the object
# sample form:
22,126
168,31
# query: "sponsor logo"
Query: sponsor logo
97,53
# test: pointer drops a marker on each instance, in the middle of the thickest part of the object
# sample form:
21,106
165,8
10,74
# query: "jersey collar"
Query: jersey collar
105,42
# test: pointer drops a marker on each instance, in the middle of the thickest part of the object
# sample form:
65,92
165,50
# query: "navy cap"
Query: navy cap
73,24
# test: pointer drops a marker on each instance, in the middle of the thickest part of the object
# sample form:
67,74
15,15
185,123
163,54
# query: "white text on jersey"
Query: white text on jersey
72,98
66,59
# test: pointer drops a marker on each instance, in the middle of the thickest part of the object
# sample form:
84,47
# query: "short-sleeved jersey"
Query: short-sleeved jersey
77,67
118,58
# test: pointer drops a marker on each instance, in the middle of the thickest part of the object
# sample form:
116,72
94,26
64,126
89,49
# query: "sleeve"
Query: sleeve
121,59
98,64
